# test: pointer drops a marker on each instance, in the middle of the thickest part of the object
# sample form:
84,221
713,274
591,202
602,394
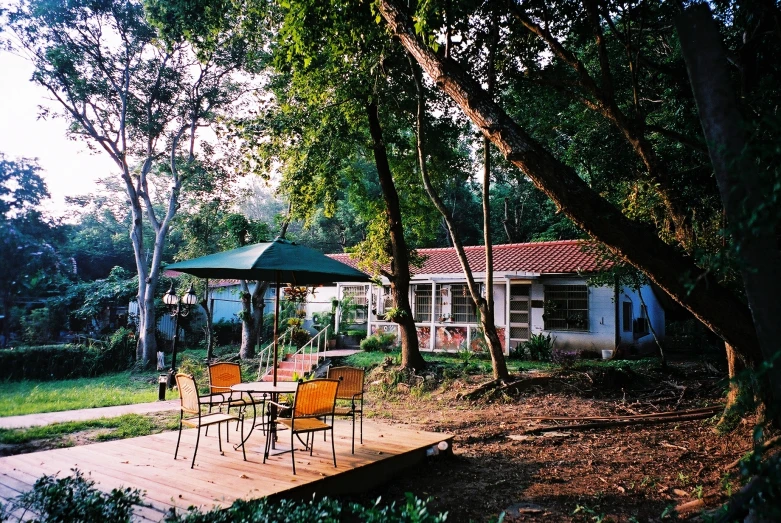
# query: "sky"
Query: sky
68,167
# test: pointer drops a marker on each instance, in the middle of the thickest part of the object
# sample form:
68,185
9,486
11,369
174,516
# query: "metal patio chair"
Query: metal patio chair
314,399
191,414
222,376
350,389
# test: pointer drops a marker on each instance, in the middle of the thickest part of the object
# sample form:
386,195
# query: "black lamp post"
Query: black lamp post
178,307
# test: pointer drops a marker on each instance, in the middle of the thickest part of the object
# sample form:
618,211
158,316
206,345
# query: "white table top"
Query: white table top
266,387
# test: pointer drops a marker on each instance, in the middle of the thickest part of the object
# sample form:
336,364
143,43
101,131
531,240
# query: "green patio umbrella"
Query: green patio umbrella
280,261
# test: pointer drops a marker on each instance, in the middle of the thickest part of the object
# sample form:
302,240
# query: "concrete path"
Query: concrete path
47,418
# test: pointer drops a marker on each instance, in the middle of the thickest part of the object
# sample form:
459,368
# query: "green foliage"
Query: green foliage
77,499
381,341
226,332
299,337
38,326
324,510
539,347
54,362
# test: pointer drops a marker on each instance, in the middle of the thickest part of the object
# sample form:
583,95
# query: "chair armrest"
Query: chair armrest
281,406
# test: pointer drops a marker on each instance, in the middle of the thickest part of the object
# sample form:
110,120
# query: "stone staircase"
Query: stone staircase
292,364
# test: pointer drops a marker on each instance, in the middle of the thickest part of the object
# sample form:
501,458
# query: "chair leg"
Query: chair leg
197,440
176,452
353,432
219,436
361,424
333,446
268,445
311,445
292,451
243,444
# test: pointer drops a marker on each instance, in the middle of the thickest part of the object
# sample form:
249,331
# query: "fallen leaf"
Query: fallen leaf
681,493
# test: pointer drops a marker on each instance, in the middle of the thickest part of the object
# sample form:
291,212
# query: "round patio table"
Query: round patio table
264,388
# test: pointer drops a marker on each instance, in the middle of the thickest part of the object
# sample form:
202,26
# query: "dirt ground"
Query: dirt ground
622,474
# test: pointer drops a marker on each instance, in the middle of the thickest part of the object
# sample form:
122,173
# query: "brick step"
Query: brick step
293,365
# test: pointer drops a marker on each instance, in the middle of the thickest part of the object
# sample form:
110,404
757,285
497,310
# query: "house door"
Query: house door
519,314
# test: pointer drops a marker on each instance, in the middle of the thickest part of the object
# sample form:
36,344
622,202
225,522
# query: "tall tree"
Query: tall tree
752,219
635,242
27,257
134,96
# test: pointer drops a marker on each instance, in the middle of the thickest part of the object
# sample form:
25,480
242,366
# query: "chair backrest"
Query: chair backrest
223,375
315,398
188,393
351,381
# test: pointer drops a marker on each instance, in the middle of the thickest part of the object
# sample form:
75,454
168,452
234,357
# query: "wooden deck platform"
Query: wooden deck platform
147,463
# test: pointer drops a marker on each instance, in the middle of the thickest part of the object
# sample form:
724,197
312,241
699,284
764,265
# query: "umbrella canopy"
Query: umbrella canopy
280,261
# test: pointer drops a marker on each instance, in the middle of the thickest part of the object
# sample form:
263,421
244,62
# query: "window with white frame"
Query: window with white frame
355,304
454,303
566,307
423,303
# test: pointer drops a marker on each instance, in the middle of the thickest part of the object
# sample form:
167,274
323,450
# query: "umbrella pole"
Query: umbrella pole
276,326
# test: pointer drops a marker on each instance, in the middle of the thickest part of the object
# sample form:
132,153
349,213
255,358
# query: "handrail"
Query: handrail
309,348
266,354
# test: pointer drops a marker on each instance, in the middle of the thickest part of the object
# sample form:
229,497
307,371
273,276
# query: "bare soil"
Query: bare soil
627,473
621,474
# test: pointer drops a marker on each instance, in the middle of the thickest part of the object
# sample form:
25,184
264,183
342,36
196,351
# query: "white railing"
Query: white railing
311,351
266,355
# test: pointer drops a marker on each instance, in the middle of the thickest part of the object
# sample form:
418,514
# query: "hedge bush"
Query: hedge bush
57,362
76,498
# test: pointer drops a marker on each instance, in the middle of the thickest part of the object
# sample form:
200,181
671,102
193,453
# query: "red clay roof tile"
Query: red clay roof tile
557,257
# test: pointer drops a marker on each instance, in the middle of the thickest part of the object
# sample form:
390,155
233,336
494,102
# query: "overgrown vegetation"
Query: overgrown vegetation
76,498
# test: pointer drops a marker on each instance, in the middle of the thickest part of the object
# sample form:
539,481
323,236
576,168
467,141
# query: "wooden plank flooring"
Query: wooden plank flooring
218,480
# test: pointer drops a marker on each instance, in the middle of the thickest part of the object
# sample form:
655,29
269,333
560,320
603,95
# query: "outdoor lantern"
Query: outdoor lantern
170,298
190,298
179,307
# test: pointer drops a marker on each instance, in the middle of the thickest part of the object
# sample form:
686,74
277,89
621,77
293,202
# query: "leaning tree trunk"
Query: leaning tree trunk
637,244
498,363
400,275
739,182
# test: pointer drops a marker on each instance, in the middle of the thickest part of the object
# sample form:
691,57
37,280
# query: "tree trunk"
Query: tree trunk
739,183
633,242
486,307
400,275
247,349
734,367
486,313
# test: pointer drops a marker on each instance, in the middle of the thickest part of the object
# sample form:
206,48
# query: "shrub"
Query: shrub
38,326
75,498
382,341
54,362
226,332
539,347
300,337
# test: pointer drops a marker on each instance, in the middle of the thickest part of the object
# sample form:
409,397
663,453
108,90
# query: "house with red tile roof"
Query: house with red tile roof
539,288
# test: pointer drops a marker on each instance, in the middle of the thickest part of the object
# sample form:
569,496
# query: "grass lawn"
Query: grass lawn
124,388
127,426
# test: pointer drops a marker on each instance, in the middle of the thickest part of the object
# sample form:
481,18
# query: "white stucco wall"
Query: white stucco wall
601,318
